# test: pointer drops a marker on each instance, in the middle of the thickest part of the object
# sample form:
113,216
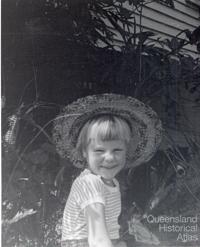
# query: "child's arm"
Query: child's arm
97,231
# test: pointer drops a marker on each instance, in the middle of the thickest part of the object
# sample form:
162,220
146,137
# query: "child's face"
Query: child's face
105,158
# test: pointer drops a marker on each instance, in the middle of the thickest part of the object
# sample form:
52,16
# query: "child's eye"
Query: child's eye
118,150
98,150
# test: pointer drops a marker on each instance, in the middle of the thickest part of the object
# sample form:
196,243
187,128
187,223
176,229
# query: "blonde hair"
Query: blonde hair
104,127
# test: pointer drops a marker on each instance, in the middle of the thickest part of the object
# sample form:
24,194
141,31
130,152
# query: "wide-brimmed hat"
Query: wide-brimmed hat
144,122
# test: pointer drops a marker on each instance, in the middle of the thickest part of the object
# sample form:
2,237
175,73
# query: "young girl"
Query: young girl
103,134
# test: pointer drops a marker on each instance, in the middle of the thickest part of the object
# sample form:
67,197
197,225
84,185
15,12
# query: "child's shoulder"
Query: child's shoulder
86,177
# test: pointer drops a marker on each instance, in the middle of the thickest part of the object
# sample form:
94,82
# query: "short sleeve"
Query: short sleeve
88,189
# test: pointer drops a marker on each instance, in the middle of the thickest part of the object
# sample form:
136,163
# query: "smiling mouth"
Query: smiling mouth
109,167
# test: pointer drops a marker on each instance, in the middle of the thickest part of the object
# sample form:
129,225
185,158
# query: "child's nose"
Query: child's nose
109,156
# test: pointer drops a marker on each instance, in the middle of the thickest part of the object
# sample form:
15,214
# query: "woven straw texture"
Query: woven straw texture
145,124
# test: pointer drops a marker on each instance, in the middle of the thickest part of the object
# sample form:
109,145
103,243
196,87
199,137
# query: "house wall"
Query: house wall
167,22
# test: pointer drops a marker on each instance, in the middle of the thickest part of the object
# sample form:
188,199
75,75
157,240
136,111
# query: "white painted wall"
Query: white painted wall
167,22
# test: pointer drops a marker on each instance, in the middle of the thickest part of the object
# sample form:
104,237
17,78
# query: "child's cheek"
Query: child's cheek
98,157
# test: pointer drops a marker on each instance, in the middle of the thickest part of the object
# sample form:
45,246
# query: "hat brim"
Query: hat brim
144,122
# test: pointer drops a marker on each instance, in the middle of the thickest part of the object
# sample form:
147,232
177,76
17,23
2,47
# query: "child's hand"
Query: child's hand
120,244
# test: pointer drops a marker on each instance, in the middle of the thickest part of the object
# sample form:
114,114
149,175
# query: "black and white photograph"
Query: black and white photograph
100,123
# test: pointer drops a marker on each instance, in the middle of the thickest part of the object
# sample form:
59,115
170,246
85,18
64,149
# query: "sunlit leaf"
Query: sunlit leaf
141,232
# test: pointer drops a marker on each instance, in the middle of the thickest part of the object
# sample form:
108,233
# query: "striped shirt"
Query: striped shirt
89,188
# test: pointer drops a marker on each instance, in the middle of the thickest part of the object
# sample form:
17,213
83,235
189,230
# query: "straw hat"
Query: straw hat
144,122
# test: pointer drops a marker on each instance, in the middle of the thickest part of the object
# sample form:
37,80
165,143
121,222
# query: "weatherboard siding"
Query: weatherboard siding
167,22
